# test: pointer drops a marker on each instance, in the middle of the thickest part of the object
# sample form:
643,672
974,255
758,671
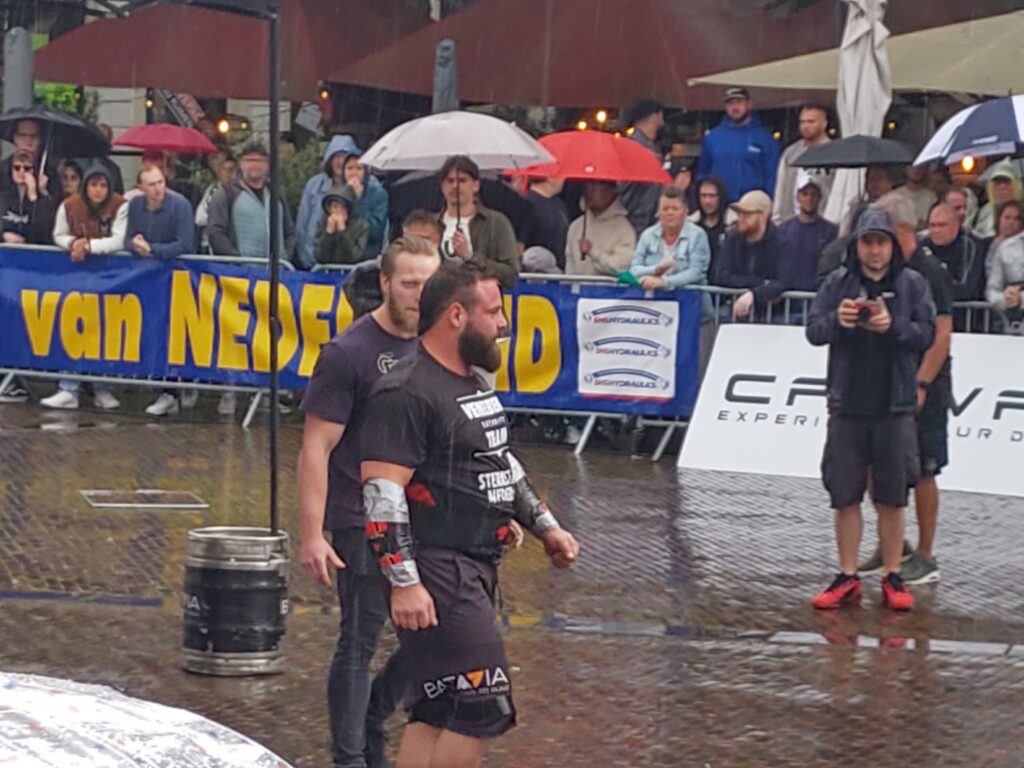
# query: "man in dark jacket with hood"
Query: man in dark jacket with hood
877,318
341,237
740,150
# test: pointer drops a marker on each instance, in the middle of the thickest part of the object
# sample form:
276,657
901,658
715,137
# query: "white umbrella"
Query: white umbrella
424,144
865,91
45,721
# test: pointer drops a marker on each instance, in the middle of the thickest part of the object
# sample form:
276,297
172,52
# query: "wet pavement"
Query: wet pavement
683,638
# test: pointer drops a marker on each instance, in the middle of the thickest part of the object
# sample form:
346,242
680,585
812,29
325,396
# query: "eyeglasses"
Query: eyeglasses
19,167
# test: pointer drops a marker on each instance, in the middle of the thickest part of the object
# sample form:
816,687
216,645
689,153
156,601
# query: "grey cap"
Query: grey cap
875,220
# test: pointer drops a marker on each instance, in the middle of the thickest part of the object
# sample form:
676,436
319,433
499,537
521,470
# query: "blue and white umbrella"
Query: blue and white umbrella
993,127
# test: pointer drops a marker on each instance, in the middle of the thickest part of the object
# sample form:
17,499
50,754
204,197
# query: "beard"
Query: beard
476,349
401,318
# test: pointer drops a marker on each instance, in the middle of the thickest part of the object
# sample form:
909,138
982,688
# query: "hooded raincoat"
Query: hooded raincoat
346,246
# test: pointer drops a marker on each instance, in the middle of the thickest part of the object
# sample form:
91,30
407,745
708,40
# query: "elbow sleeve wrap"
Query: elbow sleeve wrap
389,532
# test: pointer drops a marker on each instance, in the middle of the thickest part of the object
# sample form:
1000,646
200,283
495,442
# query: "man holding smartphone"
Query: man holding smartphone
877,318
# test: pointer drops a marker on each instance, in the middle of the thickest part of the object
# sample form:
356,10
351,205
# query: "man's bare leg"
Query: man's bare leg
890,536
453,750
424,746
849,526
926,503
418,740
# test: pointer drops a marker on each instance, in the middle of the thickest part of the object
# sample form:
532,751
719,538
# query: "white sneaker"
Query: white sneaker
189,398
165,404
63,399
228,403
104,398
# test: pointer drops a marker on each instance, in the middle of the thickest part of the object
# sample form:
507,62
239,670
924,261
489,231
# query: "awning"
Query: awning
970,57
216,54
590,53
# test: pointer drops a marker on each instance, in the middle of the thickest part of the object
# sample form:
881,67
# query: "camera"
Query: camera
866,310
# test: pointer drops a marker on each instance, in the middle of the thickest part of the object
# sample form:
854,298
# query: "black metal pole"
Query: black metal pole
275,255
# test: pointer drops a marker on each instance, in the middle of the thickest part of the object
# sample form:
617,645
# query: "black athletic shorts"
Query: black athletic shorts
884,448
932,420
460,676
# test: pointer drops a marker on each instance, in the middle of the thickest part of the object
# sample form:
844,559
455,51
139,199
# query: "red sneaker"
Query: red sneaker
844,590
895,596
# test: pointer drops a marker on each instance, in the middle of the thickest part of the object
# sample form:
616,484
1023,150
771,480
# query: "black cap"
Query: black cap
736,93
875,220
254,148
643,109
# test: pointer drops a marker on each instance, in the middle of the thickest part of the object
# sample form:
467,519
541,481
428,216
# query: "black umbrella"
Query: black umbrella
855,152
421,189
66,135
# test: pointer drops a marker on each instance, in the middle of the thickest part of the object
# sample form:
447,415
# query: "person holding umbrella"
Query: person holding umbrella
473,232
601,241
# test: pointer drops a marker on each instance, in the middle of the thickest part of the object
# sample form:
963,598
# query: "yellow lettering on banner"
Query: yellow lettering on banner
39,319
316,301
232,322
192,319
80,325
501,380
345,314
288,343
536,316
122,319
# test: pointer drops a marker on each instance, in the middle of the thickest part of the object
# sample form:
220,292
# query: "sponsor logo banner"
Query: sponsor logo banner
209,322
762,409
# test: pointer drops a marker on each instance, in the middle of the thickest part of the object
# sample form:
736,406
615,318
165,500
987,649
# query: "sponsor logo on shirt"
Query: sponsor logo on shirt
478,682
386,361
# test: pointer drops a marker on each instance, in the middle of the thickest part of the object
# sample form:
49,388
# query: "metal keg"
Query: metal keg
236,601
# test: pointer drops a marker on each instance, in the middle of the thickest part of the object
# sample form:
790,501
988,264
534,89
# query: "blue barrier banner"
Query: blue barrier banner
586,348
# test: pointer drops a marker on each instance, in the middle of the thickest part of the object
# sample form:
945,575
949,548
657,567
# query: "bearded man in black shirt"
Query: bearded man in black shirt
440,490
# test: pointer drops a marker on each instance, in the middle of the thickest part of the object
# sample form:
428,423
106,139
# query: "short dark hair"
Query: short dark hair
815,106
462,164
674,193
642,109
426,218
416,246
1001,207
451,284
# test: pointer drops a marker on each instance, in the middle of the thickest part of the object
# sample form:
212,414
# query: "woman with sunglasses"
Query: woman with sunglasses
27,210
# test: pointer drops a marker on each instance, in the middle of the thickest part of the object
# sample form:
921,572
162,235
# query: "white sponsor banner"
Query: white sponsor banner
627,348
762,409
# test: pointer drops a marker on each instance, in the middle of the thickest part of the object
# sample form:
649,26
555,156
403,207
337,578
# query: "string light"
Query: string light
582,125
967,164
601,116
892,125
324,94
223,126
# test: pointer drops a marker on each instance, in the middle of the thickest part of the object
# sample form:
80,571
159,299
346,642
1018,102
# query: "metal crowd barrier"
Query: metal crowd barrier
791,308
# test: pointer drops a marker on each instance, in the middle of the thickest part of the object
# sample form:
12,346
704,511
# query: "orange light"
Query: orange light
892,125
324,94
629,131
149,103
967,164
777,135
223,126
601,116
582,125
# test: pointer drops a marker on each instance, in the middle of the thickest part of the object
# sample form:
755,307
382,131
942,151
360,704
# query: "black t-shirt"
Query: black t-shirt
344,374
870,390
547,225
452,430
941,285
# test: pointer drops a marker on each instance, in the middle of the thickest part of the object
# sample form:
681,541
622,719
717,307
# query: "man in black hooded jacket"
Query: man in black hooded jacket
877,318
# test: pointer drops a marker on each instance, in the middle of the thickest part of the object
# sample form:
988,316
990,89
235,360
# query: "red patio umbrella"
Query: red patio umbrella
597,156
163,137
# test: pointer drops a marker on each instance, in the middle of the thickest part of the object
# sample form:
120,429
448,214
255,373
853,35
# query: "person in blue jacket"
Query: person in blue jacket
739,149
341,166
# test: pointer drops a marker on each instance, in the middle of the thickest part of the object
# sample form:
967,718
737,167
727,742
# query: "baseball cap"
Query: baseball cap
736,93
754,201
805,178
875,221
643,109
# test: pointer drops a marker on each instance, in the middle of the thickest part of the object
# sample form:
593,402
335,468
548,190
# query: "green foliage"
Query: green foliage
59,96
296,169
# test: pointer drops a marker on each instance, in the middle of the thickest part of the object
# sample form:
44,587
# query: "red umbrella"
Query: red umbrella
163,137
597,156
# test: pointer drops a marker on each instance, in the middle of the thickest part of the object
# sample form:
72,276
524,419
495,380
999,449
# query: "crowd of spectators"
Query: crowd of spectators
740,216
